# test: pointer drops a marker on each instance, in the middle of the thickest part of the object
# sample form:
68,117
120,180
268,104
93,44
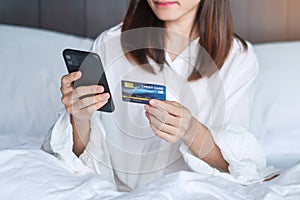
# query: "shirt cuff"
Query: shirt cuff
59,143
247,162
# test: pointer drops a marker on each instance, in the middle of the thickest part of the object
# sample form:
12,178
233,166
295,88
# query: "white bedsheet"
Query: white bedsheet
33,174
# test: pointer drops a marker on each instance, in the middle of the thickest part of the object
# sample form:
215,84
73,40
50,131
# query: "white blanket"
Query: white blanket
33,174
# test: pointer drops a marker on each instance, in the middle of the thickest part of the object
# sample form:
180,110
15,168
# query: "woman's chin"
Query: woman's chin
167,17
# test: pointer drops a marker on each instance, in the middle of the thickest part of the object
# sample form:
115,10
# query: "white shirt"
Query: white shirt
123,147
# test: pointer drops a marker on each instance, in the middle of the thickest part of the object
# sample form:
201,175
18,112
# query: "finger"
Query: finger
86,90
93,108
66,90
163,135
65,99
175,110
174,103
162,126
66,80
147,115
87,110
70,98
163,116
158,113
88,101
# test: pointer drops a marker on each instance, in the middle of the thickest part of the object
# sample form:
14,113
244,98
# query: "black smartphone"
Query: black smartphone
92,71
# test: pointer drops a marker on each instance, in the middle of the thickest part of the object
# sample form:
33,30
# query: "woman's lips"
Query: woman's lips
165,3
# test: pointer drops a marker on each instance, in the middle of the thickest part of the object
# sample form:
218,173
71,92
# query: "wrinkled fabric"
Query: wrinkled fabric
33,174
122,146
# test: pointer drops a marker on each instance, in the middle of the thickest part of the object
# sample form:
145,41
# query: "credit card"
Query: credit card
142,92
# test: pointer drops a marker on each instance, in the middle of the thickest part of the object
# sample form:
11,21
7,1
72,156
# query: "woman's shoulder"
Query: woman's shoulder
111,32
108,36
241,54
238,48
241,61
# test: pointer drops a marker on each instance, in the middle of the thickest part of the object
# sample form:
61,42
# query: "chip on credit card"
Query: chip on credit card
142,92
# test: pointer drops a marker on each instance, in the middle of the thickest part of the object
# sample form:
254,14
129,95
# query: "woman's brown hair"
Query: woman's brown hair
213,23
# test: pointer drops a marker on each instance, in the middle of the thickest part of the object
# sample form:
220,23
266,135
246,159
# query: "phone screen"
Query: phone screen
92,72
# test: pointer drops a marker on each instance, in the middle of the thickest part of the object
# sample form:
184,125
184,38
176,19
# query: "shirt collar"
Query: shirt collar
188,54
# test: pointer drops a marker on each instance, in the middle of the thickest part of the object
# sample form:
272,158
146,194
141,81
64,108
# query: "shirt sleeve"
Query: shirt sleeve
59,141
94,158
247,162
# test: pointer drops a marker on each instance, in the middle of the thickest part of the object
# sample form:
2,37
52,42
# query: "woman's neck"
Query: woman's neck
182,27
180,33
178,36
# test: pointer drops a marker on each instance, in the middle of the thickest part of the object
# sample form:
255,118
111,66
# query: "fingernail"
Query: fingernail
77,74
107,95
152,102
99,89
147,107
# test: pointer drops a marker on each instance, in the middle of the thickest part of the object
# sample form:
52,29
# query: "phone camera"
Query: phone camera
72,60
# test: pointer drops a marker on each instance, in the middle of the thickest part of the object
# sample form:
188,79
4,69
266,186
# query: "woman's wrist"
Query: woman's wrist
79,120
192,131
81,134
201,143
199,139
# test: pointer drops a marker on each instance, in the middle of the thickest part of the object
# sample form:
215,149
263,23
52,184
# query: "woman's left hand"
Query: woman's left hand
169,120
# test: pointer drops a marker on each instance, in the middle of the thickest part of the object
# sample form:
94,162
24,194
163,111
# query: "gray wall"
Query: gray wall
267,20
81,17
256,20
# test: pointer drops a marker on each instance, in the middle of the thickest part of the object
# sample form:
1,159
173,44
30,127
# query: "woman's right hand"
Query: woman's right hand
81,109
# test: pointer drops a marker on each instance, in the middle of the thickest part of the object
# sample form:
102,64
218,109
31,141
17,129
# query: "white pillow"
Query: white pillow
31,66
276,111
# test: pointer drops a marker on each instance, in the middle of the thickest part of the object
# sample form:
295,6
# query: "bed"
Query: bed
31,68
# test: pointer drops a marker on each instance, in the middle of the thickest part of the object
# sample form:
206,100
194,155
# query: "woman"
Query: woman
201,127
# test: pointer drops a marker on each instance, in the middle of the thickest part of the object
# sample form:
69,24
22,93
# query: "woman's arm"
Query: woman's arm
171,122
81,109
201,143
81,135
